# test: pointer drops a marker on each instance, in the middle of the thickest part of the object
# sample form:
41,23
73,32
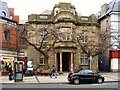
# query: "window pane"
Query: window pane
42,60
84,36
83,59
7,35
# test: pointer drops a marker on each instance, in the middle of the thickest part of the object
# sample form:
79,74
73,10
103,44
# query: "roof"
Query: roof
64,5
48,12
4,9
113,6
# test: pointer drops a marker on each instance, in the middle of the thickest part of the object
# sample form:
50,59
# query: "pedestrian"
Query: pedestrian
10,71
6,66
53,72
23,69
2,66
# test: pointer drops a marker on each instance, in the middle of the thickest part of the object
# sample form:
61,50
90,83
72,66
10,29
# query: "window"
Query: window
86,72
43,34
56,11
21,53
3,14
42,60
84,18
84,36
43,17
6,35
22,42
83,59
65,34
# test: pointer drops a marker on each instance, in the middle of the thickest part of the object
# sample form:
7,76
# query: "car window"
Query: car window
89,72
86,72
82,72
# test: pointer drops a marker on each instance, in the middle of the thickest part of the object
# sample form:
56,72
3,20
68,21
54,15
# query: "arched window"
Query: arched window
6,35
3,14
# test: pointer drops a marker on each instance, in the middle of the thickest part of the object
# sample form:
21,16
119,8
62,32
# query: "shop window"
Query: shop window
83,59
6,35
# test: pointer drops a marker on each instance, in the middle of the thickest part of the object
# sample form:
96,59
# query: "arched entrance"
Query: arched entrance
66,57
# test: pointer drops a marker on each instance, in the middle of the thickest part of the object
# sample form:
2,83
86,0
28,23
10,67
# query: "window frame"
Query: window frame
84,36
4,14
6,35
84,59
41,58
65,33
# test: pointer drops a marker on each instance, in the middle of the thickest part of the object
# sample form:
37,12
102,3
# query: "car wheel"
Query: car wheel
76,81
100,80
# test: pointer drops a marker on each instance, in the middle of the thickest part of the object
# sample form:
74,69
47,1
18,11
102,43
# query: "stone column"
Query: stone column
71,61
55,58
56,61
60,61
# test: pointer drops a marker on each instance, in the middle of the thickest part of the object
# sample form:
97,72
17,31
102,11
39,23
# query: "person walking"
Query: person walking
10,71
53,72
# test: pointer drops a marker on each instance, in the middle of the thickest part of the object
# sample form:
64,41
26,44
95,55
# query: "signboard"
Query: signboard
30,63
8,60
18,71
19,76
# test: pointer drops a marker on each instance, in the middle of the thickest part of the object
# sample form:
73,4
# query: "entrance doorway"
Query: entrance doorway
66,61
66,56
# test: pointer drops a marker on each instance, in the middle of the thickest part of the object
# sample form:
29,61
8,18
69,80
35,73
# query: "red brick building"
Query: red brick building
11,45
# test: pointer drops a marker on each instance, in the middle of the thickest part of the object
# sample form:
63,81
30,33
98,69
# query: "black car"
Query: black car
85,76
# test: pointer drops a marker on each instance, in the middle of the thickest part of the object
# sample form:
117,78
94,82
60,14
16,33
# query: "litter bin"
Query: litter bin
18,71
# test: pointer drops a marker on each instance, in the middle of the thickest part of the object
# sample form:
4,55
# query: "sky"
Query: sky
23,8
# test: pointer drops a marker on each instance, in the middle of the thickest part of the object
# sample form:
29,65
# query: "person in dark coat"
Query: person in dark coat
10,71
53,72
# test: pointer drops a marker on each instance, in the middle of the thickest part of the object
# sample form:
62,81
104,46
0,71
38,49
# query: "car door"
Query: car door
82,76
91,76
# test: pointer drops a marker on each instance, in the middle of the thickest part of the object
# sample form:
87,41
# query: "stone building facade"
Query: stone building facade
66,54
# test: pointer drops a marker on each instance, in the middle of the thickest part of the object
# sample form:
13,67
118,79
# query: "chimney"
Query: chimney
11,12
104,8
16,18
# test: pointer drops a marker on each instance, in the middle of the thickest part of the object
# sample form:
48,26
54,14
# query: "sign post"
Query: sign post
90,62
29,68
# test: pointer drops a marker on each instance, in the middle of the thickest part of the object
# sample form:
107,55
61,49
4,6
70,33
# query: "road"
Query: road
67,85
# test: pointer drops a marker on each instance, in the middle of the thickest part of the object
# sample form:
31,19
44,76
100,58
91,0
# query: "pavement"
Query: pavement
42,79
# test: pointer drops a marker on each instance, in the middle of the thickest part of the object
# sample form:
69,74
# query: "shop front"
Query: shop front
5,60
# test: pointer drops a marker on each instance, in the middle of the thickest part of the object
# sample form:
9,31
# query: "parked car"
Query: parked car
85,76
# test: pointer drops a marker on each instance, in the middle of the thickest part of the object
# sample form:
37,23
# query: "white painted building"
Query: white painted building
109,19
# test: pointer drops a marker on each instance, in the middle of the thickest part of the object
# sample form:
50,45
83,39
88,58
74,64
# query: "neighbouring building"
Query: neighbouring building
10,49
109,19
65,54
